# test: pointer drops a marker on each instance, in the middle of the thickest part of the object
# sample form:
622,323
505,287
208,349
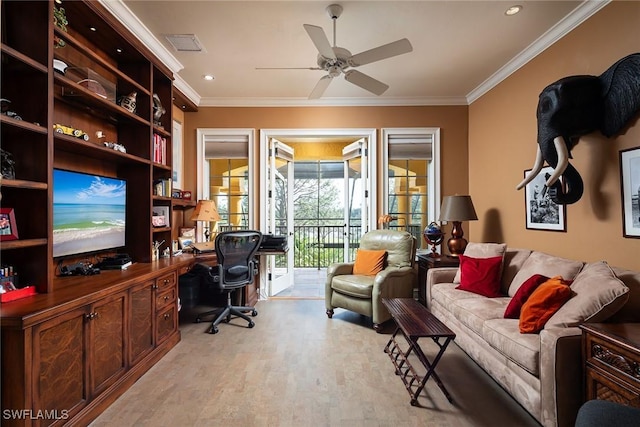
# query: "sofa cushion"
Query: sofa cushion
473,312
446,294
547,265
511,264
482,250
598,294
523,349
480,275
352,285
369,263
542,304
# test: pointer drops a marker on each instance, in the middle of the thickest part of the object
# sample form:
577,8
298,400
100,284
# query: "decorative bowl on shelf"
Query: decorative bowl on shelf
433,235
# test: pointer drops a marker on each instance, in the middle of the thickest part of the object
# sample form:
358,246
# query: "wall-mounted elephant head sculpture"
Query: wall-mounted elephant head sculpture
578,105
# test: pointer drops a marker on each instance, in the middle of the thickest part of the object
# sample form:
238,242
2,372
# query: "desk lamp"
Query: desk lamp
457,209
206,212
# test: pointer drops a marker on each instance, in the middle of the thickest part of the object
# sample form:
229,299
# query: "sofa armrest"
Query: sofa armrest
560,375
438,275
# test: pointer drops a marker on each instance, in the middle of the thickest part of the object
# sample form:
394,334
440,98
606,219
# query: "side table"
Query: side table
425,262
611,361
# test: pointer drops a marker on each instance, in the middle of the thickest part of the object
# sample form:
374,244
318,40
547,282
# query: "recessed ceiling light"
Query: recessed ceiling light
513,10
93,29
208,77
118,50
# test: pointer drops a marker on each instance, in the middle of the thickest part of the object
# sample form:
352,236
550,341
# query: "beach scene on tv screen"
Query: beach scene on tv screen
88,213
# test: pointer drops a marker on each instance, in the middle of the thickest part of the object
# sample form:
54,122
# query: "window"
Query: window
411,178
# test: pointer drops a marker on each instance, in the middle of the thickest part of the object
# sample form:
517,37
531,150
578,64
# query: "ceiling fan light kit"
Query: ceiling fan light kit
337,60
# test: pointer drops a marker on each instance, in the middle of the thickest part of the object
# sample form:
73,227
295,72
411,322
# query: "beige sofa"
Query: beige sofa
543,371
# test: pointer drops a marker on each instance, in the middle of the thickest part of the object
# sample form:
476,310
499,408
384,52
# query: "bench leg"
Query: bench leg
431,366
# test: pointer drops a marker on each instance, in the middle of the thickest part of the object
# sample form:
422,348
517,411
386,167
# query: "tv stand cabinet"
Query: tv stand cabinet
71,353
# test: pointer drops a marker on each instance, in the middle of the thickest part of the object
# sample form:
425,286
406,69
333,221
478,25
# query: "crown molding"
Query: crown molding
330,102
580,14
118,9
186,90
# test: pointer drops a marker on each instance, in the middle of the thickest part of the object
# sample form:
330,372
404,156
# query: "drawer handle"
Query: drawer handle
91,315
615,360
166,298
166,281
166,316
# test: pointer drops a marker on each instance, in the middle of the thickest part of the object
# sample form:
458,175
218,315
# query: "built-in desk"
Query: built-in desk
72,352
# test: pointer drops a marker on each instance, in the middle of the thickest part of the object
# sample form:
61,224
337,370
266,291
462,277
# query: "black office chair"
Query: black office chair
236,269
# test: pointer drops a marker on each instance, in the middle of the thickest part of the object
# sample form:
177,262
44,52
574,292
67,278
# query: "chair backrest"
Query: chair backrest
400,246
236,251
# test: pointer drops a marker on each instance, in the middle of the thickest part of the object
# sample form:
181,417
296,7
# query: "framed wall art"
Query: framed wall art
630,185
542,213
8,228
176,151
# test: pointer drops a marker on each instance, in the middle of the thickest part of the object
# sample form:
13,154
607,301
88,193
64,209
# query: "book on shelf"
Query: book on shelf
163,187
159,149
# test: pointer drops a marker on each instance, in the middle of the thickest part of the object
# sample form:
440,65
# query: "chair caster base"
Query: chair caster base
251,325
254,313
198,320
213,330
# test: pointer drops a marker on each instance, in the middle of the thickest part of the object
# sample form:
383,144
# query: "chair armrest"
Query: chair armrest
392,282
560,375
337,269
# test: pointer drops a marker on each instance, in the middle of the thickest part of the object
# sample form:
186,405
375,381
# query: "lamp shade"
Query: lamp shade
205,211
457,208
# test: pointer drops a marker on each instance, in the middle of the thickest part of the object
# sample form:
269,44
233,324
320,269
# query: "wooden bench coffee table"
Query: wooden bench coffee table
415,322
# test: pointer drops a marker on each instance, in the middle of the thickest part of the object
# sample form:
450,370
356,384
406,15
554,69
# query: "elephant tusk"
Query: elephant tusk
563,160
537,167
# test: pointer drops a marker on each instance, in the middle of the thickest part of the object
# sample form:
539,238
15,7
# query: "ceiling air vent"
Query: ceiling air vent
185,42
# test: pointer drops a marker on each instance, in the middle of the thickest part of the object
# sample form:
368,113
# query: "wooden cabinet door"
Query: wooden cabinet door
141,321
107,345
59,365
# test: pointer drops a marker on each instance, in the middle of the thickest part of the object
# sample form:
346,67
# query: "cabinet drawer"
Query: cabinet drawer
164,298
616,361
166,322
602,386
166,282
184,269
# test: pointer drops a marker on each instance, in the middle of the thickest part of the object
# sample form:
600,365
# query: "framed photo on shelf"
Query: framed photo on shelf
188,232
542,213
630,185
161,216
8,228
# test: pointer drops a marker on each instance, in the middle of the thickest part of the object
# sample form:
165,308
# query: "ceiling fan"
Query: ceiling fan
337,60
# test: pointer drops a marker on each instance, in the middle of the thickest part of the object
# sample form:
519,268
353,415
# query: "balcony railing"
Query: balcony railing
319,246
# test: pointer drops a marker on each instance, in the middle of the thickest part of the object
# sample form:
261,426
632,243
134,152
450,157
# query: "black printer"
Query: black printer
271,243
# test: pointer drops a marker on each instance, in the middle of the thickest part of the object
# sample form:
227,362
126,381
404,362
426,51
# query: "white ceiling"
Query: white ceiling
460,48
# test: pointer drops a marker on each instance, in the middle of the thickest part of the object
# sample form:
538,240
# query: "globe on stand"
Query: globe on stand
433,235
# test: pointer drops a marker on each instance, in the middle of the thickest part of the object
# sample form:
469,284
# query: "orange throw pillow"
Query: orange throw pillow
542,304
369,263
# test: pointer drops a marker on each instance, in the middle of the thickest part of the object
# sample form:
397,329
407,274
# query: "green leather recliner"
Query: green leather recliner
363,294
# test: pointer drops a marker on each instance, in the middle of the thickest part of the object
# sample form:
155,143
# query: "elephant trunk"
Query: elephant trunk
557,156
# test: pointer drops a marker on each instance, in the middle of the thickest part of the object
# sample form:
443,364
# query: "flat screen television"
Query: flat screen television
89,213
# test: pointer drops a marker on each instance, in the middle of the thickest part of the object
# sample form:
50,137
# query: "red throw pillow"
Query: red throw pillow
522,295
480,275
369,263
542,304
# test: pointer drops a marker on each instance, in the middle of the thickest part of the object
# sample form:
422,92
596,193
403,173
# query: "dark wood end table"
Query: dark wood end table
425,262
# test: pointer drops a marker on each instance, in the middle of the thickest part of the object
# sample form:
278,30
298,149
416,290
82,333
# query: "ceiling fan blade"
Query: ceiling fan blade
319,38
365,82
288,68
381,52
321,86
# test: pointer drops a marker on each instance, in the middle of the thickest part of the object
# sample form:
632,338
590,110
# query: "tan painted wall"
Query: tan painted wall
452,120
502,144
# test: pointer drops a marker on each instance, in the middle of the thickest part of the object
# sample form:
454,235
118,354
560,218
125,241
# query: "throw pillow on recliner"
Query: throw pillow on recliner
369,262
